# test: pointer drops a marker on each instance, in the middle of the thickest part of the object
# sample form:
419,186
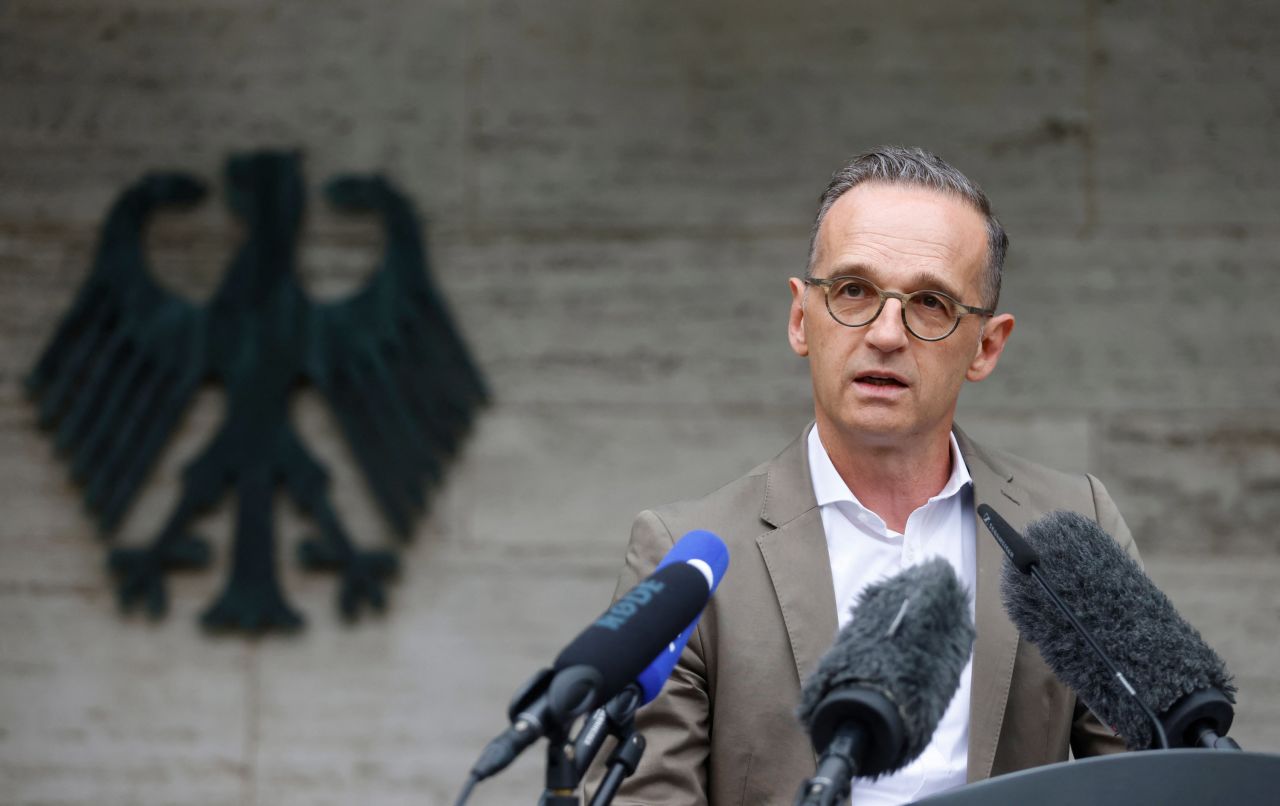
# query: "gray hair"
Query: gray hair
914,166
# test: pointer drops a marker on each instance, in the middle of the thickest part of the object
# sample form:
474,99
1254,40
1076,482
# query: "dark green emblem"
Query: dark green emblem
129,356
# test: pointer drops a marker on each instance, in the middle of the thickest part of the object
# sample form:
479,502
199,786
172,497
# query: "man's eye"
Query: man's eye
852,290
931,302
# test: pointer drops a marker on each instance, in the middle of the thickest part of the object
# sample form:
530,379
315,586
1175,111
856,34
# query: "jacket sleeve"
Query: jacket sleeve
676,725
1089,737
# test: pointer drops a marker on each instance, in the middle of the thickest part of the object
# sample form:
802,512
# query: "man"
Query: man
895,313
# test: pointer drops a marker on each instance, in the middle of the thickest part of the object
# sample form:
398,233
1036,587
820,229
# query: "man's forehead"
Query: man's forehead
902,225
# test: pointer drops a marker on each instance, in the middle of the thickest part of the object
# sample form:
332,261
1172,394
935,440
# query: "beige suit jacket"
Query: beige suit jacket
724,729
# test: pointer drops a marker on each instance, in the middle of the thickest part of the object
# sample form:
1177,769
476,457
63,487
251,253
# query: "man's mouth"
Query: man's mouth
879,380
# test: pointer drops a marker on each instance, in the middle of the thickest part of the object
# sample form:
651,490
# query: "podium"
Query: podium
1166,777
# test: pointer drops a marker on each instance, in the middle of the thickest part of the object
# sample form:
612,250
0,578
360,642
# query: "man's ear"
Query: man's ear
994,337
795,322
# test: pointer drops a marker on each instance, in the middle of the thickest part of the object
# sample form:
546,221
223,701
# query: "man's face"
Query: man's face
878,384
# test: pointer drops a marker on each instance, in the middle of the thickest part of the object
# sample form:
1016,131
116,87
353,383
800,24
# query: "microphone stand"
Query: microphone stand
567,761
620,721
831,784
571,692
562,772
616,719
622,764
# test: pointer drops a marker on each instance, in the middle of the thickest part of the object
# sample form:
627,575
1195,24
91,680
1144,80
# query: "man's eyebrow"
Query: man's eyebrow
919,281
854,268
926,281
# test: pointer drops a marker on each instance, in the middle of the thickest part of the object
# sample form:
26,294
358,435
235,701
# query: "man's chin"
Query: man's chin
880,426
886,431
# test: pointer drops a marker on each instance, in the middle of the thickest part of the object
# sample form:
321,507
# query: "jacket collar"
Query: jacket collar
789,486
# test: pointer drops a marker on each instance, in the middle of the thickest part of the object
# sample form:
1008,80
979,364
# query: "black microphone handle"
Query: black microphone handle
590,739
1018,550
831,783
1156,727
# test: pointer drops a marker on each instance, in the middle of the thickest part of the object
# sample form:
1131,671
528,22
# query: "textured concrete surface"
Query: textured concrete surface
616,193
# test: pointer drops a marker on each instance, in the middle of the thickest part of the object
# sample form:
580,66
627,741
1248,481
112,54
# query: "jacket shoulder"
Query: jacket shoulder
1046,489
732,511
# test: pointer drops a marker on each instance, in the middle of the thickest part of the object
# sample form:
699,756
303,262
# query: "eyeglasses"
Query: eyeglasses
927,315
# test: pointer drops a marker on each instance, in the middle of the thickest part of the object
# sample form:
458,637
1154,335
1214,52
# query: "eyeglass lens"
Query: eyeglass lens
854,302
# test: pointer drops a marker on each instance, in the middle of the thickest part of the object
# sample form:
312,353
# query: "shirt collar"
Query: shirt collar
829,488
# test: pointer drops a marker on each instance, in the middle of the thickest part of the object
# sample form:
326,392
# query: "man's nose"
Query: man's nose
887,333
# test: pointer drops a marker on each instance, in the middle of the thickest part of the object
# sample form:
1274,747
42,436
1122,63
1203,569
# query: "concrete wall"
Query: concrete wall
616,194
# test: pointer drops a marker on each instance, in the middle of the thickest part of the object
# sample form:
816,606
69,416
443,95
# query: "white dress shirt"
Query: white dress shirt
864,550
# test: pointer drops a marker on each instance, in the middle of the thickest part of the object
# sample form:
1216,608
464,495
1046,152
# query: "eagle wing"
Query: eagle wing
391,363
126,358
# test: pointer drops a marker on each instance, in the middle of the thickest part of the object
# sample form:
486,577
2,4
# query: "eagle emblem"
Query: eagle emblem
129,355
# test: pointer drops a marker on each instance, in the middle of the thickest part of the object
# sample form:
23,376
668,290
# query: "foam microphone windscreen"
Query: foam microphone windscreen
639,625
912,653
1162,655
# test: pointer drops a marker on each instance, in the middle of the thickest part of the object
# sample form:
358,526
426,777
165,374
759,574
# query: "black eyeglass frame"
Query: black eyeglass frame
965,310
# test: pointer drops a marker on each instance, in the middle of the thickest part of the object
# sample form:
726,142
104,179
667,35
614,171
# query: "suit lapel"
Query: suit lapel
996,646
799,566
795,554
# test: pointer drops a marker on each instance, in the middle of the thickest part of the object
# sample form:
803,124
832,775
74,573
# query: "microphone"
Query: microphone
1019,552
1182,680
611,652
876,697
1025,560
708,553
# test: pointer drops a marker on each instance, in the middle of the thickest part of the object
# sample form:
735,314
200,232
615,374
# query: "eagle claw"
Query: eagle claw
364,580
140,571
364,573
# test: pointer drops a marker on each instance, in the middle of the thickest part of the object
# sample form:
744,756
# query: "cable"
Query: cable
466,790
